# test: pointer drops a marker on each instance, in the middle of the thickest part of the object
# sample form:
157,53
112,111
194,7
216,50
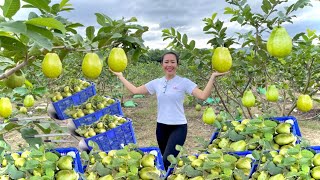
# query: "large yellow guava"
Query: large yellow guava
279,43
5,107
51,65
117,60
304,103
221,59
91,65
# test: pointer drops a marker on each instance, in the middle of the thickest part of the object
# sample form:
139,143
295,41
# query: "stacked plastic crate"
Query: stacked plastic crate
113,138
238,138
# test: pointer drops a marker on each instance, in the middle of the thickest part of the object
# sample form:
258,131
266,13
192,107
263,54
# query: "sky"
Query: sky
184,15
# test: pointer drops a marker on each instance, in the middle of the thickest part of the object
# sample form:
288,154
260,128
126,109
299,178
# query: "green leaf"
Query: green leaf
234,136
22,91
40,91
100,19
14,172
10,8
50,156
31,164
48,22
116,36
90,32
288,161
256,154
39,39
41,31
185,40
266,6
27,132
14,27
10,126
268,136
270,123
63,3
166,31
228,10
273,169
213,16
173,31
43,4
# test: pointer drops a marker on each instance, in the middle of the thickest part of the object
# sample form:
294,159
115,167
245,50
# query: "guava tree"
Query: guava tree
253,67
24,43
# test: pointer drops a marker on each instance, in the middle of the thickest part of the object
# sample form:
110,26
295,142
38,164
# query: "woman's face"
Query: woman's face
169,64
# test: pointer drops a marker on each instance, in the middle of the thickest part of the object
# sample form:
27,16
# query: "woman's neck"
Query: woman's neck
169,77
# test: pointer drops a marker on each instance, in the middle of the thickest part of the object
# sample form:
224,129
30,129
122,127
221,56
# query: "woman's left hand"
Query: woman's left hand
216,74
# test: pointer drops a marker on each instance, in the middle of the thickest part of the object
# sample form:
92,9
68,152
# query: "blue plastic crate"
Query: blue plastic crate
316,149
76,160
114,138
74,100
74,153
294,128
159,159
240,153
113,109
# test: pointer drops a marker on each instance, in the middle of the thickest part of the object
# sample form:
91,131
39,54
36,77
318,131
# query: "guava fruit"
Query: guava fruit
65,163
283,139
28,101
248,99
67,175
5,107
279,43
316,160
148,160
272,94
315,172
106,177
277,177
221,59
91,65
148,173
198,107
16,79
117,60
51,65
283,128
244,163
197,163
238,145
19,162
304,103
263,175
208,116
197,178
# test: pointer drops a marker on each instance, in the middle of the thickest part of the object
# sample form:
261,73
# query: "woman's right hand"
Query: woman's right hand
119,74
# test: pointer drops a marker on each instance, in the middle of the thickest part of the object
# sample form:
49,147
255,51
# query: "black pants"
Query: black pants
168,136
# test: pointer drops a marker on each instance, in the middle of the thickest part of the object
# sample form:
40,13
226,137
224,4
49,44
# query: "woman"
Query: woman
170,90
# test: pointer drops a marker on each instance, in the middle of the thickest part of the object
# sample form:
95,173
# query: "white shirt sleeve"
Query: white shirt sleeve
151,86
189,85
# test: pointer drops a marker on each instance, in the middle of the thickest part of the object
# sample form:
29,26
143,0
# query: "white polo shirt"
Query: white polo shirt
170,97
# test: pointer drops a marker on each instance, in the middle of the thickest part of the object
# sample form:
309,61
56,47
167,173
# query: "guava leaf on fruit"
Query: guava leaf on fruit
273,169
234,136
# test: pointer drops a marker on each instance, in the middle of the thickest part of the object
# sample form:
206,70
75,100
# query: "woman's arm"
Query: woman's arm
204,94
132,88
